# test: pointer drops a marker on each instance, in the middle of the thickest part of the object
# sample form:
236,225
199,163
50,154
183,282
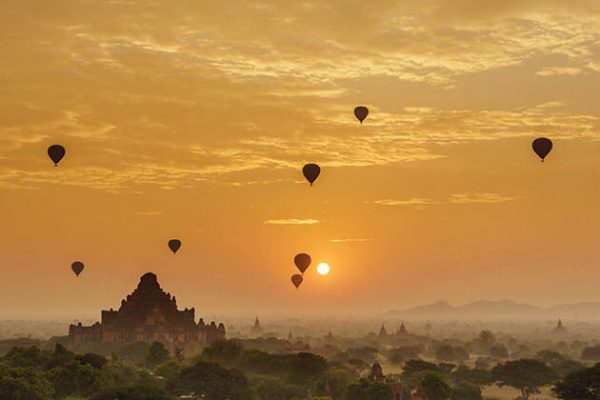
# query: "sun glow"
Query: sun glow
323,268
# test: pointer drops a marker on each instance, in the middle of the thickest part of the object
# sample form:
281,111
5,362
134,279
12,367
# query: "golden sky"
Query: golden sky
192,119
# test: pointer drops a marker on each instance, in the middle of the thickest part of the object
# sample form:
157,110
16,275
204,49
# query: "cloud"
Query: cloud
480,198
415,201
113,162
457,198
291,221
180,94
149,213
357,240
554,71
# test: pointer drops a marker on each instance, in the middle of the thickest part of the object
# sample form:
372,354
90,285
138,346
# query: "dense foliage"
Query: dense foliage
276,369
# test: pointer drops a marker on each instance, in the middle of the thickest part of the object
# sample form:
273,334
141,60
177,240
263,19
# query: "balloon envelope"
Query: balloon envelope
174,245
361,113
56,153
542,147
311,172
297,280
302,261
77,267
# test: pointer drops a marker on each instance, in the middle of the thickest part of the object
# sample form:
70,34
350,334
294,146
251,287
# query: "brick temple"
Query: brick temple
148,314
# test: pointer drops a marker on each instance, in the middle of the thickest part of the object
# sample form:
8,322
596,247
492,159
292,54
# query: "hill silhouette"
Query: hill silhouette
501,309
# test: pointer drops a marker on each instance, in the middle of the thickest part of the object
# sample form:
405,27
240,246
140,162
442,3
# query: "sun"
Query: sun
323,268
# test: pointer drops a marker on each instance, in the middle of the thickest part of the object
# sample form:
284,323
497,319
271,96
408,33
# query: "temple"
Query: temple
148,314
256,330
560,329
399,392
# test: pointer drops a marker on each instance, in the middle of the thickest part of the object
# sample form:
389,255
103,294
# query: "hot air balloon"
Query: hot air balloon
174,245
77,267
361,113
542,147
297,280
311,172
302,261
56,153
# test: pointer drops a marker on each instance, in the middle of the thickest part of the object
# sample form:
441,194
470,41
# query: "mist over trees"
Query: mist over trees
438,360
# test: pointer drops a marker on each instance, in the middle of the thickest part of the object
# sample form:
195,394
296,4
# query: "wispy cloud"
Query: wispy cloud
414,201
357,240
143,129
480,198
457,198
554,71
291,221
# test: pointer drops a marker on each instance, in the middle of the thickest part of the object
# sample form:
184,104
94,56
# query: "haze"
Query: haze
192,120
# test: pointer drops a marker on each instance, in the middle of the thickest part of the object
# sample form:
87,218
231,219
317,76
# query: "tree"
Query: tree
473,376
136,351
170,373
307,366
74,379
591,353
446,368
399,354
499,351
445,353
524,374
334,382
23,384
138,392
117,374
365,353
435,386
580,385
448,353
414,370
566,367
358,365
562,365
271,389
466,391
486,339
60,357
27,357
157,354
214,382
550,357
95,360
225,352
365,390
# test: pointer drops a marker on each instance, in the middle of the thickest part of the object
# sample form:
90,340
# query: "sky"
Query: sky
193,119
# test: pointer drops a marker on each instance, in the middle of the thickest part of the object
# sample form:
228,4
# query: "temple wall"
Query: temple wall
148,314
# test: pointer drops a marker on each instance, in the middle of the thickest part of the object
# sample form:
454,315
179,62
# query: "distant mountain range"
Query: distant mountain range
502,309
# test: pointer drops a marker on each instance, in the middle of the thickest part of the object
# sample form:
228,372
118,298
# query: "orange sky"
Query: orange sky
193,119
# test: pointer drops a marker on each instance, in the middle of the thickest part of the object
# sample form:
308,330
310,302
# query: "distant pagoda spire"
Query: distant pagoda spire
559,327
256,330
402,330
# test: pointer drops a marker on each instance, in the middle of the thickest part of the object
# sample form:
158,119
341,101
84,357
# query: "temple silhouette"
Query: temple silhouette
148,314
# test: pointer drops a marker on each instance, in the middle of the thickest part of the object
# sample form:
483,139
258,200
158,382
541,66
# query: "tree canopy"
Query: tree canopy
524,374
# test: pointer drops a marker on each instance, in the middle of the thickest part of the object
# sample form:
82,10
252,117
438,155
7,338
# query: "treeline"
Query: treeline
29,373
225,370
228,370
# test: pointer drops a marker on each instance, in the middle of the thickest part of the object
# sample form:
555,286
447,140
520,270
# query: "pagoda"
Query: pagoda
560,329
148,314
